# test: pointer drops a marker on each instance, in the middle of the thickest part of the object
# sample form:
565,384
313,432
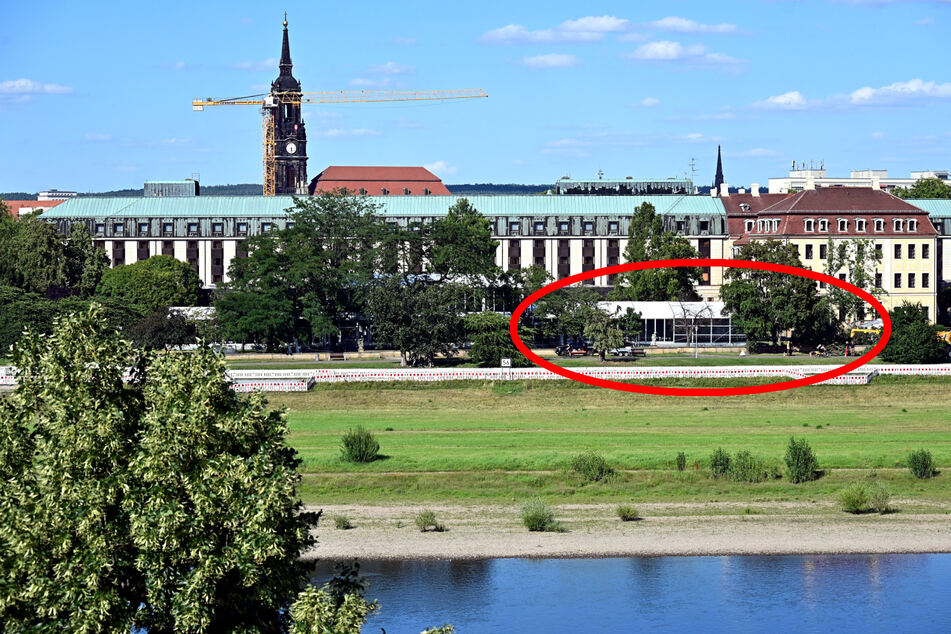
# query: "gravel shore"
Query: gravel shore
491,531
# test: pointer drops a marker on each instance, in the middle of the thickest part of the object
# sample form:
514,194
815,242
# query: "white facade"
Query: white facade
803,179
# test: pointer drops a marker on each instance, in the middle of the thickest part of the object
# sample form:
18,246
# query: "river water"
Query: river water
837,593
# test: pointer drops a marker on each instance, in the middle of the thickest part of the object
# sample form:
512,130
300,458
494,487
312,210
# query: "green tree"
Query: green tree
34,256
565,312
86,262
166,503
764,304
647,241
152,284
913,337
460,243
262,316
924,188
159,330
603,332
417,316
491,341
859,260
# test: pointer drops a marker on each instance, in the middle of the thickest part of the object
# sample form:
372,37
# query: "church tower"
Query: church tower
718,177
290,140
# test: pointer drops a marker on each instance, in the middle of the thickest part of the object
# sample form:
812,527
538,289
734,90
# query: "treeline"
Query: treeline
489,189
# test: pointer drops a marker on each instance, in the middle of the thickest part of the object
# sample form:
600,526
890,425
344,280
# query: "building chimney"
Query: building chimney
741,190
724,190
713,192
876,183
810,183
754,189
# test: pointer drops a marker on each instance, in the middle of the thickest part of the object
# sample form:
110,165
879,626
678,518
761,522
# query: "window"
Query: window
266,226
749,226
860,225
167,228
823,248
117,228
879,224
363,191
384,191
289,225
143,228
808,251
878,280
897,283
912,224
539,228
775,222
809,225
843,224
759,225
897,251
100,228
193,228
744,207
242,229
925,251
911,251
704,225
842,276
613,227
588,227
878,251
427,191
217,228
406,191
898,224
925,280
563,227
681,226
515,227
911,280
823,224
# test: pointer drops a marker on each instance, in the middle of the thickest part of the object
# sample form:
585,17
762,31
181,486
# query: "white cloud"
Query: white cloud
270,63
787,101
441,168
551,60
30,87
878,134
632,36
96,136
179,65
692,54
345,133
900,92
392,68
683,25
925,22
649,102
587,29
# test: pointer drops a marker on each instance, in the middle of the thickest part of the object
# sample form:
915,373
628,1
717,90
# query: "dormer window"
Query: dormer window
426,192
860,225
100,228
614,227
193,228
775,225
217,228
749,226
384,191
143,228
563,227
823,224
266,226
117,228
515,227
879,224
539,228
406,191
809,225
744,206
363,191
898,224
843,225
912,224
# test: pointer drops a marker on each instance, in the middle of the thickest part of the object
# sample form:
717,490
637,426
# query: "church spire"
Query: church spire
286,65
285,82
718,178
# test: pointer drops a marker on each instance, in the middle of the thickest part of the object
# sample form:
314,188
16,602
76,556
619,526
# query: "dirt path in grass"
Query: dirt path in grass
489,531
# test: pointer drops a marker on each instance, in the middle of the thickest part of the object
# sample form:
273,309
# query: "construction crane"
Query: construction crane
270,102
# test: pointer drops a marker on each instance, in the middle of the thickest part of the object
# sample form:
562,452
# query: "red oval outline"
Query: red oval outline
690,391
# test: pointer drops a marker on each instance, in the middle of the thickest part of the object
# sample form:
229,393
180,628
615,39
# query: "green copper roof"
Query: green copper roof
261,206
936,208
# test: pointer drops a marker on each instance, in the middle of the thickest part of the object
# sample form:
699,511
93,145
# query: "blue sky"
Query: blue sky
98,95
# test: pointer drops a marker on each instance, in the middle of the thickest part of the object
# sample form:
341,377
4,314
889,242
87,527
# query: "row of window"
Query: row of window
910,278
911,250
811,225
192,228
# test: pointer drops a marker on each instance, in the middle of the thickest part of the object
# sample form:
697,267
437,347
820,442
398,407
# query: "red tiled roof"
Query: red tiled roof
374,179
15,206
840,199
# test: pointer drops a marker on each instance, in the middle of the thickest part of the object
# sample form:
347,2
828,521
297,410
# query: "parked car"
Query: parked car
572,351
624,351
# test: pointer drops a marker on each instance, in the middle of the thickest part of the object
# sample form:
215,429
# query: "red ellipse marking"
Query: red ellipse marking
701,391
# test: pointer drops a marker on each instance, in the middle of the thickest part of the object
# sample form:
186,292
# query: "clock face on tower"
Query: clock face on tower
291,148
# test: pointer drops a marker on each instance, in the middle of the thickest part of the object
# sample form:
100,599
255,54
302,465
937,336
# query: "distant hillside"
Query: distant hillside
482,189
17,196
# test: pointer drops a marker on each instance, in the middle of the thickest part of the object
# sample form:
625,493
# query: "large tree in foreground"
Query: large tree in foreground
166,503
764,304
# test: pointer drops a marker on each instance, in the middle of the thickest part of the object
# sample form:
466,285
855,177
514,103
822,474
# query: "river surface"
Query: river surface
822,593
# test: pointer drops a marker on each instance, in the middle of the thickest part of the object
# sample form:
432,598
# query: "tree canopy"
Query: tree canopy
914,338
859,260
491,341
924,188
167,503
648,241
157,282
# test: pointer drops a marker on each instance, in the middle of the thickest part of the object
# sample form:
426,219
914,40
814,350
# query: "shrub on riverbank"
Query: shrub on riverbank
921,464
342,522
426,520
865,497
538,517
745,467
719,463
627,513
359,445
801,462
681,461
591,466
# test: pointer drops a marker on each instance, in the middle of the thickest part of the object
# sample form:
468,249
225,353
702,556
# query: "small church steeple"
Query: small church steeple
290,139
718,178
285,81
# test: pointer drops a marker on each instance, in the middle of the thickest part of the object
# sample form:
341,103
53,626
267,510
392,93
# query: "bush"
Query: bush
854,498
921,464
745,467
359,445
538,517
681,461
591,466
426,520
627,513
913,339
719,463
342,522
878,497
801,463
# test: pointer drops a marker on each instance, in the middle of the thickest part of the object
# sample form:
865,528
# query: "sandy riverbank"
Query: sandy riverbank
486,531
